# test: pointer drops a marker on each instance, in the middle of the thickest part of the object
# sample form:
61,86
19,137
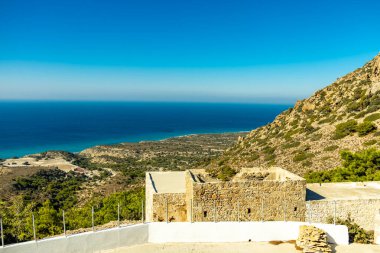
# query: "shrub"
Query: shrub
302,156
291,145
307,163
344,129
372,117
365,128
356,167
354,106
356,233
226,173
331,148
369,143
316,137
253,156
270,157
268,150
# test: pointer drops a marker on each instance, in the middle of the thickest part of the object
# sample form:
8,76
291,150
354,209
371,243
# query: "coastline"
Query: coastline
29,128
131,140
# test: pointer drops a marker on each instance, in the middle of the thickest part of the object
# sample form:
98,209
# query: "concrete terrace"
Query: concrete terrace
343,191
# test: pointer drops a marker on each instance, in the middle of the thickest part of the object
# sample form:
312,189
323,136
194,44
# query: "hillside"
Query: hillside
102,176
309,137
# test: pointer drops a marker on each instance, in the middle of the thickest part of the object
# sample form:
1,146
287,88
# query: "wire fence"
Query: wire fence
67,226
313,214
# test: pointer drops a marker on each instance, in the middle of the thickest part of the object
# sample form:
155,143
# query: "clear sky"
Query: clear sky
181,50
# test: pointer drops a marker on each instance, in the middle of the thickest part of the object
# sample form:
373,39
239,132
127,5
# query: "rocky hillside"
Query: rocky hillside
308,137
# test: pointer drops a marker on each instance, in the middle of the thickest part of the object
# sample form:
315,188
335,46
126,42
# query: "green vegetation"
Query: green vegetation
291,145
316,137
365,128
344,129
17,214
350,127
54,185
370,143
360,166
372,117
301,156
356,233
226,173
331,148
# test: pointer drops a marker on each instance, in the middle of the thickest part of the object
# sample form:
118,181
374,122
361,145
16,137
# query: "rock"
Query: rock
312,240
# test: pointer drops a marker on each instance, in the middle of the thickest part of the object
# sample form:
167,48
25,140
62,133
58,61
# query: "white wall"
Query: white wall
91,242
377,227
238,232
161,232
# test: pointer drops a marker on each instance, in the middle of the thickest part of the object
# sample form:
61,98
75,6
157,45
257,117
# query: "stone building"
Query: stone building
253,194
359,201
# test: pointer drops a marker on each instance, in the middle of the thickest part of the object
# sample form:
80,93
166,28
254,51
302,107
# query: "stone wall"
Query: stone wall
173,203
249,201
362,211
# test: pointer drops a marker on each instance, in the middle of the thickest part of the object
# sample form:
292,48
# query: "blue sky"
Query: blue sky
216,51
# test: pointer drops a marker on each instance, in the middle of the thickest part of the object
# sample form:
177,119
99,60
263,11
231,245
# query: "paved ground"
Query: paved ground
331,191
237,248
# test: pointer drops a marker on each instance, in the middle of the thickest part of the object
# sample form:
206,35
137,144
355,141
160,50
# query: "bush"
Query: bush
344,129
331,148
356,167
365,128
370,142
302,156
291,145
372,117
356,233
226,173
316,137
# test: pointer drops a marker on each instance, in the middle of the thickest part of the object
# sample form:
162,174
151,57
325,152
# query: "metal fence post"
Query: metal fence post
64,222
334,212
92,219
142,211
167,212
283,208
2,232
262,209
34,228
191,210
214,211
118,214
310,213
238,211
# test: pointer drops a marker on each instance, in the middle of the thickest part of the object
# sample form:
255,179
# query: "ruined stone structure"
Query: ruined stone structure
254,194
359,201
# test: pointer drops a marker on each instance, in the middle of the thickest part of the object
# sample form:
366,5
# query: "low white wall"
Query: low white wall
160,232
91,242
377,227
238,231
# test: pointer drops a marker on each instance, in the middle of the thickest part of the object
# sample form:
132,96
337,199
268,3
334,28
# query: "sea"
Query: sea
35,126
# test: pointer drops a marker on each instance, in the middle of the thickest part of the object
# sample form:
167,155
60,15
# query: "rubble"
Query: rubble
312,240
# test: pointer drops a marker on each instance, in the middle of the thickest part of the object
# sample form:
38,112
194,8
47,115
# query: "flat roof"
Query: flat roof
343,191
168,181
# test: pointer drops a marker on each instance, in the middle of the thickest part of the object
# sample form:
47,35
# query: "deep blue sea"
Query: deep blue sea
32,127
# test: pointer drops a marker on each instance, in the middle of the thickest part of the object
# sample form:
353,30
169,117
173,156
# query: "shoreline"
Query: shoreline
145,140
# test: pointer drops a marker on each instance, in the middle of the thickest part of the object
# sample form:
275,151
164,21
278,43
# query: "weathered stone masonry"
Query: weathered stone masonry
279,196
249,201
361,211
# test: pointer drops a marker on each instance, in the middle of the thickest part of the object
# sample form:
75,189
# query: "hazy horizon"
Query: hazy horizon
199,51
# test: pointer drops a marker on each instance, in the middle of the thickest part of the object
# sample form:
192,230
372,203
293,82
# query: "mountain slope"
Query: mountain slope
308,137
